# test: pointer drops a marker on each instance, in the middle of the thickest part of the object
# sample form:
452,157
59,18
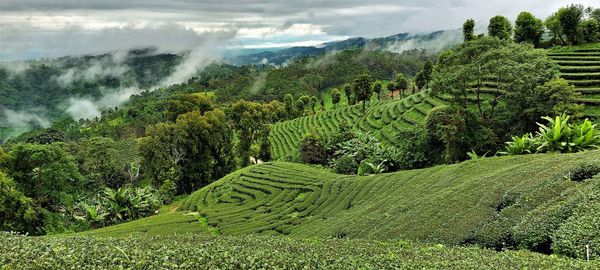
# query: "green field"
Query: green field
580,65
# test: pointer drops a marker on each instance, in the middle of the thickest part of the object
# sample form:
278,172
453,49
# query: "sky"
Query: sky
32,29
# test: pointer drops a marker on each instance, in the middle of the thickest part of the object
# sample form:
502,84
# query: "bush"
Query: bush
312,150
344,165
413,149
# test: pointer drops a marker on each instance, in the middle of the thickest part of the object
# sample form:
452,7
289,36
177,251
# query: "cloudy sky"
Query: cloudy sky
49,28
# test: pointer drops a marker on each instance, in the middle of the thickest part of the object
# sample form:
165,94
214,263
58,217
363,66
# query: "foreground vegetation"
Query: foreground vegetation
193,251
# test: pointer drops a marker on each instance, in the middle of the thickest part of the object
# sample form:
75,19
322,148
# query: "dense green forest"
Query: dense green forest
362,132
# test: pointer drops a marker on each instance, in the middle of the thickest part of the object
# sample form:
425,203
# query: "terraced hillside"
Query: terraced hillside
382,118
581,67
444,204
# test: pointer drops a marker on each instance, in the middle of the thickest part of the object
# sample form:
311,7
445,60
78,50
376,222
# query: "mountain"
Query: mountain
435,42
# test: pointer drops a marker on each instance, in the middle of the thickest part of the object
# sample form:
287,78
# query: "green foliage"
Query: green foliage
557,136
469,30
113,206
377,88
191,152
590,30
569,19
500,27
312,150
46,136
362,88
100,164
17,212
335,97
528,29
509,72
350,95
414,149
520,145
424,75
201,251
447,125
560,136
46,173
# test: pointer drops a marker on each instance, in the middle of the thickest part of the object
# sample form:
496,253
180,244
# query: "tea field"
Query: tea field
194,251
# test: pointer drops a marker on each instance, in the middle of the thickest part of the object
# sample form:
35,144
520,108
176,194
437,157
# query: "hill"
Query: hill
490,201
580,65
432,42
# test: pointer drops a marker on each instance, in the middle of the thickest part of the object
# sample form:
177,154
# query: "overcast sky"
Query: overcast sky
49,28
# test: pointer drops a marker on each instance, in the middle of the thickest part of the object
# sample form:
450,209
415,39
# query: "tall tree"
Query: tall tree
528,29
377,88
350,95
362,89
553,26
500,27
424,75
590,31
569,18
401,84
469,30
515,69
391,87
290,109
335,97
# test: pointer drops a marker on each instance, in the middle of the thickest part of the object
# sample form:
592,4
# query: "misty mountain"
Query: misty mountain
434,42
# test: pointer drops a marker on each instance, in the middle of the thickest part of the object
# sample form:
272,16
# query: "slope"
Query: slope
454,204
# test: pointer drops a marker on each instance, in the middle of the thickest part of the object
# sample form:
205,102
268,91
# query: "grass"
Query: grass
580,65
443,204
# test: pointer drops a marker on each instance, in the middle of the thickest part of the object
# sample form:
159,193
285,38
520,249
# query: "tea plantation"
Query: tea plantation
581,67
486,201
193,251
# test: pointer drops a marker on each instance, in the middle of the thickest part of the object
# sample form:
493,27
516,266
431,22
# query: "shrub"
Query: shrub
312,150
344,165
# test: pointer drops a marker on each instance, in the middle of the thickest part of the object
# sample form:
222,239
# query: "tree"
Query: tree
551,99
335,97
377,88
17,212
391,87
514,70
424,75
469,30
448,125
46,173
312,150
306,101
553,26
300,105
191,152
569,19
47,136
350,95
100,163
500,27
288,102
595,14
313,103
249,120
528,29
401,84
590,30
362,88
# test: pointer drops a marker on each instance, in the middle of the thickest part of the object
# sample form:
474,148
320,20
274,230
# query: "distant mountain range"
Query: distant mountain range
436,41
